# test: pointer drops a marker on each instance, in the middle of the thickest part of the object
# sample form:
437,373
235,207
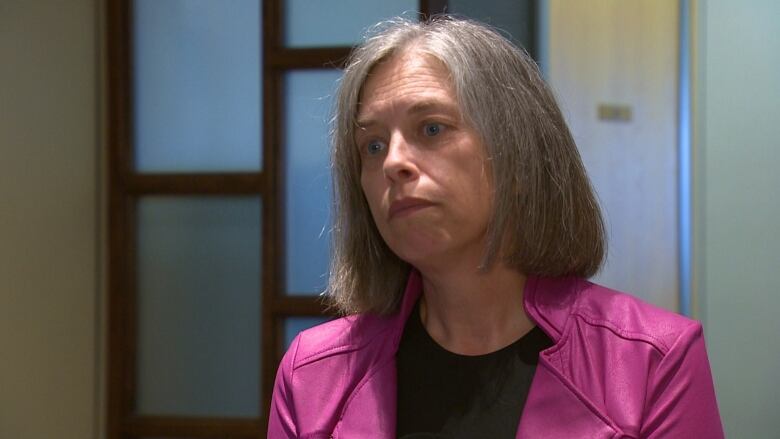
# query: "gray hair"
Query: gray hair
545,221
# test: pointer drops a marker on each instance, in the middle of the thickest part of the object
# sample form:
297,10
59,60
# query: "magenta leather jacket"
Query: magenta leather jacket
620,368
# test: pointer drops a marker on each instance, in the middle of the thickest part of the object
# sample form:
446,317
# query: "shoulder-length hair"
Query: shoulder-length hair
546,220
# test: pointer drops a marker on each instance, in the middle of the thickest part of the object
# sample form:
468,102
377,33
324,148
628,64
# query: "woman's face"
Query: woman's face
423,169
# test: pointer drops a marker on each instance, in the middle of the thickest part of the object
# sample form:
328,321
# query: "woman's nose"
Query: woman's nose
400,161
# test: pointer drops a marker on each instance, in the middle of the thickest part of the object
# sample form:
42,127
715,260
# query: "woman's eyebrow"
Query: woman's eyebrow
432,106
363,124
426,106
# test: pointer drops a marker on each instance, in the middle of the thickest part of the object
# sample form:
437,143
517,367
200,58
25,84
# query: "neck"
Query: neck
473,313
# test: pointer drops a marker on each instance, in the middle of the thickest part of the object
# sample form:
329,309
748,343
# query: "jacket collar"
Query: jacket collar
548,302
371,412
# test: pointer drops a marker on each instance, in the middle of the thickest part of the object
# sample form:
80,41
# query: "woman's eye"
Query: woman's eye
432,129
375,147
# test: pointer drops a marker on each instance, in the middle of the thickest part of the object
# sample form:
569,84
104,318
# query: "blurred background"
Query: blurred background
164,192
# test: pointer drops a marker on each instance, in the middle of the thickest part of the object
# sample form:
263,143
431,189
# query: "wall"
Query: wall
736,184
624,53
735,51
48,219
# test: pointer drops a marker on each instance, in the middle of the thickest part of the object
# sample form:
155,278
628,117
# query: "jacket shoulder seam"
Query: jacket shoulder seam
327,352
335,350
643,336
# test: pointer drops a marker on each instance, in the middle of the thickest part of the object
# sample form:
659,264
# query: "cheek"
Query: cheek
481,191
472,178
487,194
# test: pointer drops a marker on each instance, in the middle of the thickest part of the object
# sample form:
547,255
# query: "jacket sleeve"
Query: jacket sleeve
681,397
281,420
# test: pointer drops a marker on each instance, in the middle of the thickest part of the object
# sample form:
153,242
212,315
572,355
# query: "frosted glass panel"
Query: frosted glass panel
198,306
319,23
515,17
197,85
307,97
294,325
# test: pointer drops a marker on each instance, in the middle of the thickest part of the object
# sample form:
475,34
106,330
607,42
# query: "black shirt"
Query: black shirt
445,395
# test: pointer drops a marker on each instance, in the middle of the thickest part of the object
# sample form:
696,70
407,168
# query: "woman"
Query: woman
465,227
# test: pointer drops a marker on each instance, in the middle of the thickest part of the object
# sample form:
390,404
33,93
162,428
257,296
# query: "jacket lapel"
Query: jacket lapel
371,412
554,409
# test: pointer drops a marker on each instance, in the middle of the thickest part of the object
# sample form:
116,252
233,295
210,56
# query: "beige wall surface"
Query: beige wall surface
736,93
625,53
48,219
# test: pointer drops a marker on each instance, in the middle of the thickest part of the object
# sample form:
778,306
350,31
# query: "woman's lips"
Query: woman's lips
406,206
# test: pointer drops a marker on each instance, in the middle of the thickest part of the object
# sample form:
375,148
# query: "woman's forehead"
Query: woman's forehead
412,80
